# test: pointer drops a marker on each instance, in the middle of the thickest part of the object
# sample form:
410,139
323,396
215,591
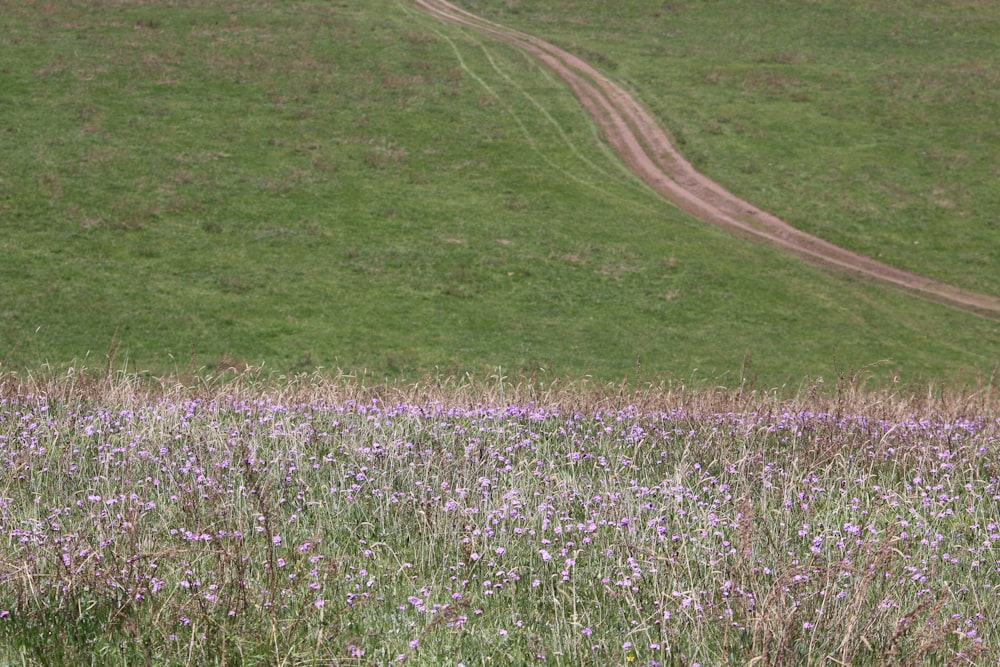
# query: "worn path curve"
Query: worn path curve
647,151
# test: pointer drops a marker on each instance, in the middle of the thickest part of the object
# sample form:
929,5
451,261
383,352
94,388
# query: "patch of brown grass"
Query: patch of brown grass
851,394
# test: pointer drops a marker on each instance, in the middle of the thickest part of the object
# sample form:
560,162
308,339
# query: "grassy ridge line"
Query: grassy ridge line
648,152
849,395
272,183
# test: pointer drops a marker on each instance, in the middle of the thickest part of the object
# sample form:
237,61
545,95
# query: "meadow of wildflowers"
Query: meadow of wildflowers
315,528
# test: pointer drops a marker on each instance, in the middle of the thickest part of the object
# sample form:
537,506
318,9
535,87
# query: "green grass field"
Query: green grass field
355,185
870,124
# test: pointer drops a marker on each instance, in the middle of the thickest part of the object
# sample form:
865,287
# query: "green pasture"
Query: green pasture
871,124
356,185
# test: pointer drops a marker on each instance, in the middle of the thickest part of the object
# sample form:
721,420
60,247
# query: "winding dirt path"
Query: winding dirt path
647,151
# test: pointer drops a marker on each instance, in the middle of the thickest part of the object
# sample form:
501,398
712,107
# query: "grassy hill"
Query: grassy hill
355,185
870,124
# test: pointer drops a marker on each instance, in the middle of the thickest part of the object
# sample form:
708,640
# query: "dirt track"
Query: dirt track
647,151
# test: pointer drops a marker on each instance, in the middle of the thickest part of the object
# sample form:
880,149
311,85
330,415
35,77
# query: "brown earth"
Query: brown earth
647,151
